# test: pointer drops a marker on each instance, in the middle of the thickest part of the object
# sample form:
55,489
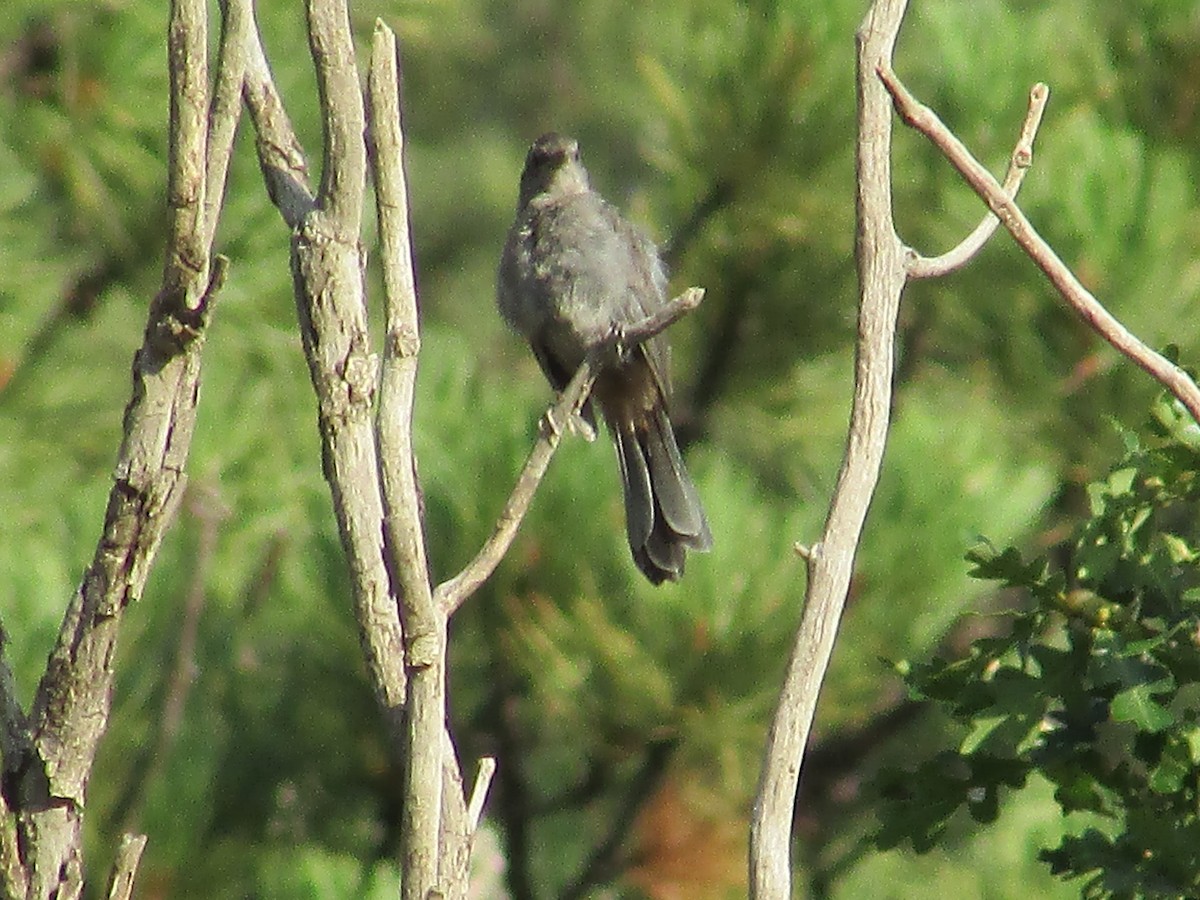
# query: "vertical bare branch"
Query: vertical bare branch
187,54
225,112
402,341
344,161
327,270
882,273
48,773
881,278
424,624
454,832
280,156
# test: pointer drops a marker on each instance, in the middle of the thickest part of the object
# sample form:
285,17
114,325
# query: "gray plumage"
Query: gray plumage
573,268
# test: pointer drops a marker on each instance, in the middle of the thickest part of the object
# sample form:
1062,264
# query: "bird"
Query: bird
573,272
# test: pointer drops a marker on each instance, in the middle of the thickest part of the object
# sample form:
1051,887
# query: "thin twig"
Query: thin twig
479,792
924,120
672,312
452,593
1018,164
280,156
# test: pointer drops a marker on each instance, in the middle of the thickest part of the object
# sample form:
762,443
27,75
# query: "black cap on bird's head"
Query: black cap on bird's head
552,166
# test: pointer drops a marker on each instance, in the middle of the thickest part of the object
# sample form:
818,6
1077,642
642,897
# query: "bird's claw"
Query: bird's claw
549,426
618,347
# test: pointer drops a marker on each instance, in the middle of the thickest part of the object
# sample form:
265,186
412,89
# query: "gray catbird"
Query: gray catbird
572,270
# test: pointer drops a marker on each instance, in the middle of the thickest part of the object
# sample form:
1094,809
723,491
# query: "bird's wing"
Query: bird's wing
646,293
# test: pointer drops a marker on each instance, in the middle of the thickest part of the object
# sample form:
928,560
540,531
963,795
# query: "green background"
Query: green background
727,130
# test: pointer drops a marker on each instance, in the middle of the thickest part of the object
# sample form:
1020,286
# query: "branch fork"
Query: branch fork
885,265
370,466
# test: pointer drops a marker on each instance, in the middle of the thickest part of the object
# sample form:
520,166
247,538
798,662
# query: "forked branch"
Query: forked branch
1018,164
1002,204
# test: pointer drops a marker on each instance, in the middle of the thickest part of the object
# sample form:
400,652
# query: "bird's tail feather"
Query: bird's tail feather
663,515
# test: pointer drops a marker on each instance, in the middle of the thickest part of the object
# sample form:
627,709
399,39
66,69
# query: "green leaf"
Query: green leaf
981,729
1137,706
1173,767
1191,736
1178,549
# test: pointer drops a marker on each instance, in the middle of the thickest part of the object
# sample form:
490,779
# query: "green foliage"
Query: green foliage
972,863
1094,687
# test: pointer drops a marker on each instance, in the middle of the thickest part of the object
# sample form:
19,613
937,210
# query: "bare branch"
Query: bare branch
924,120
454,838
882,275
225,112
280,155
186,269
398,371
344,169
327,270
424,623
452,593
1018,164
129,856
627,338
73,699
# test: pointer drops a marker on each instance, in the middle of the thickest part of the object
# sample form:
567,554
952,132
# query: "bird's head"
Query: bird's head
552,167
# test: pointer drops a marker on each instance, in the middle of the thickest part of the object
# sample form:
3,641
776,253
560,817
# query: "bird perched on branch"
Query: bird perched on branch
573,274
